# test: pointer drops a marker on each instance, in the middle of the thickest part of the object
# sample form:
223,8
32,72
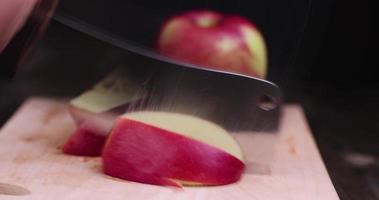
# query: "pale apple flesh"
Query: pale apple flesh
91,133
171,149
95,111
98,123
210,39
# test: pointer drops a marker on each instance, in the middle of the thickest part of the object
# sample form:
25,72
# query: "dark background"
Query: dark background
283,24
323,55
340,94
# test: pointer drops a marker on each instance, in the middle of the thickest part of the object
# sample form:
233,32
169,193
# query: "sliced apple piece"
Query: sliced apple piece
84,143
171,149
113,91
95,110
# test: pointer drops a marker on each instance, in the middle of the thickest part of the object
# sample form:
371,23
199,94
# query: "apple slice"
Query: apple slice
95,110
171,149
85,143
115,90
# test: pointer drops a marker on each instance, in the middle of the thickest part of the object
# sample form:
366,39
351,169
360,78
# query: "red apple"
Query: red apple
171,149
84,142
211,39
91,133
95,111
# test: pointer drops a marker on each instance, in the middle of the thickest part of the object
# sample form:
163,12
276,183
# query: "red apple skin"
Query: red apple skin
143,153
90,136
84,142
216,41
92,132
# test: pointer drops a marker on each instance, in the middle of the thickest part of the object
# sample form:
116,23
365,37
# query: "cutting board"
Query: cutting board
284,165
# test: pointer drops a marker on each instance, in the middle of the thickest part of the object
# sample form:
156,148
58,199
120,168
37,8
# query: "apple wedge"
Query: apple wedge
85,143
95,111
171,149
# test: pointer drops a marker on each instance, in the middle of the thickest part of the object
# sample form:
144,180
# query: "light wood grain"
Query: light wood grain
284,165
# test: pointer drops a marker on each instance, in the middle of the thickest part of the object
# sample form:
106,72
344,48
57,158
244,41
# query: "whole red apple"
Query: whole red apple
211,39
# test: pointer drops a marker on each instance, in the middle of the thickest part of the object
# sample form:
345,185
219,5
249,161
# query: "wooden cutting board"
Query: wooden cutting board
284,165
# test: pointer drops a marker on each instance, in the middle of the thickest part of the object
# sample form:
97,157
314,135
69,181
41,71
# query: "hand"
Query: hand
13,14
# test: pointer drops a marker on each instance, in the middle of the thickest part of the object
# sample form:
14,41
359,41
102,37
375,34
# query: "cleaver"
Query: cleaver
234,101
